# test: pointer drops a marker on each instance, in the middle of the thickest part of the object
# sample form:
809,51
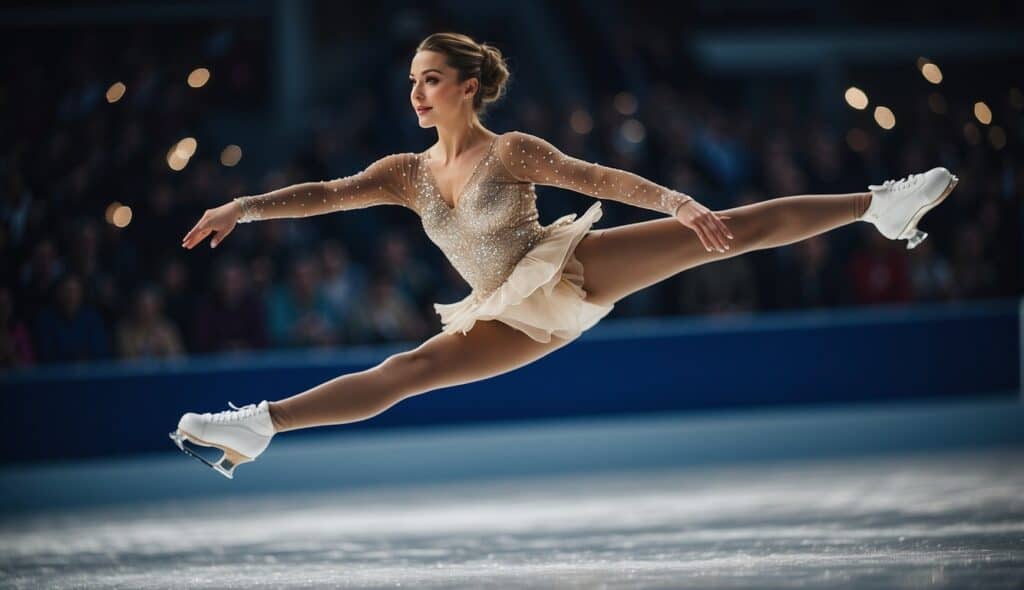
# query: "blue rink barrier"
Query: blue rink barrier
634,366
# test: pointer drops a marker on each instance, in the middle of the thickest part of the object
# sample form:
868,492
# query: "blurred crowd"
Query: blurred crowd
78,288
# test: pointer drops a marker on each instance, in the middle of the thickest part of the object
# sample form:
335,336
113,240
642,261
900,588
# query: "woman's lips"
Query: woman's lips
423,110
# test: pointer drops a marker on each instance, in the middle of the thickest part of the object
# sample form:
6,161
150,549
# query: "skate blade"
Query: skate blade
911,234
225,465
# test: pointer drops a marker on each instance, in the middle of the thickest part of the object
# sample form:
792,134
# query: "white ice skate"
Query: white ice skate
898,205
242,433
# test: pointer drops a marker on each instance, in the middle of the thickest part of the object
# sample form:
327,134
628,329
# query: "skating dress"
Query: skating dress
522,273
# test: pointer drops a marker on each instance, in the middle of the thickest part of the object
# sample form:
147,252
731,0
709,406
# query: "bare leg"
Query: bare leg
617,261
621,260
489,349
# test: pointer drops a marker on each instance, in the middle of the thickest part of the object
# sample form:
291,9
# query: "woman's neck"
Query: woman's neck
451,143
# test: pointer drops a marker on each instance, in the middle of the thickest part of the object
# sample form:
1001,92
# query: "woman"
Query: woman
535,288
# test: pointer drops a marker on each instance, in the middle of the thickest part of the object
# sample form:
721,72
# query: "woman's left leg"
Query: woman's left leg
621,260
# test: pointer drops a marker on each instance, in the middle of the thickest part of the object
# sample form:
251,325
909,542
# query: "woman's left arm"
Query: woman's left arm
532,159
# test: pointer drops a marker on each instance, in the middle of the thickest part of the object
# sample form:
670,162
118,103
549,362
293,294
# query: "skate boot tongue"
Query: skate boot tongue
895,185
235,413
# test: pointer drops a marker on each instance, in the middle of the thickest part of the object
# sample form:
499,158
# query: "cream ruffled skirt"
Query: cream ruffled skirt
543,295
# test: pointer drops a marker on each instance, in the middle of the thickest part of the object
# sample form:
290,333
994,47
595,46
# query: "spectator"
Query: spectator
387,313
231,319
408,274
98,285
930,273
147,333
344,280
878,271
69,330
809,276
15,342
178,297
38,276
725,286
300,314
973,275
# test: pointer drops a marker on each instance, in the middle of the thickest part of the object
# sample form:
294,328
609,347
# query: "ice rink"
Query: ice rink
928,518
946,520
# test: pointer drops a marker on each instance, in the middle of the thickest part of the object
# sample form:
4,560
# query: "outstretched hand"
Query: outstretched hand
709,226
220,221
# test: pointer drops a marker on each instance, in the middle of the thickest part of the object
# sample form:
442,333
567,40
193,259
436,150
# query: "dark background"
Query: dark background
737,102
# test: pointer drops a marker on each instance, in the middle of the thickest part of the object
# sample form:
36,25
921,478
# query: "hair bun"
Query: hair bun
487,64
493,72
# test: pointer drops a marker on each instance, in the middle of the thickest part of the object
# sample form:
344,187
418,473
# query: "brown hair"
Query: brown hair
472,60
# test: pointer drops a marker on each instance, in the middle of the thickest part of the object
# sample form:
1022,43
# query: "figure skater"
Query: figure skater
534,288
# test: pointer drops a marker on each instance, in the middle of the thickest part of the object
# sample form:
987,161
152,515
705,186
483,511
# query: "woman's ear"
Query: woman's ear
471,88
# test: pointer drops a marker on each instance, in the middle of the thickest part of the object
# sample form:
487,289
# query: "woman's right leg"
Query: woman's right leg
490,348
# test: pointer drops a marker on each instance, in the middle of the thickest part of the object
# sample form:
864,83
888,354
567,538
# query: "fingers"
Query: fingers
189,236
696,224
719,230
196,236
697,229
198,233
717,238
220,237
713,231
721,225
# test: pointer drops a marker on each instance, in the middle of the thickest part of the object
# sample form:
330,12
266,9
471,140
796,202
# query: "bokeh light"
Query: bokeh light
198,77
633,131
115,92
932,73
186,148
581,122
176,160
230,155
122,216
885,118
625,103
108,215
856,98
982,113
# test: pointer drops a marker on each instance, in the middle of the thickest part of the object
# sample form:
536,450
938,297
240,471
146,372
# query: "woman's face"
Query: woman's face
437,96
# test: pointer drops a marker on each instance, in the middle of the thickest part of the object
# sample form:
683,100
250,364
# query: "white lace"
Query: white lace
235,413
904,182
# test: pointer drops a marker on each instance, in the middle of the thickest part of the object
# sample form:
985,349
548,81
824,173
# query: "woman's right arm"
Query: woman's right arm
385,182
388,181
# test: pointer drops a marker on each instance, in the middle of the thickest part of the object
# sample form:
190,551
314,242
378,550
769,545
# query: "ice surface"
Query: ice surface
924,521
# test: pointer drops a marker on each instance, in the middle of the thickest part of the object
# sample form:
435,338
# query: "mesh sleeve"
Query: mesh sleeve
532,159
388,181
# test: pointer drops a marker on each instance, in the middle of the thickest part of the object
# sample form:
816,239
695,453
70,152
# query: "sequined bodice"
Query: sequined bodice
493,224
494,221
